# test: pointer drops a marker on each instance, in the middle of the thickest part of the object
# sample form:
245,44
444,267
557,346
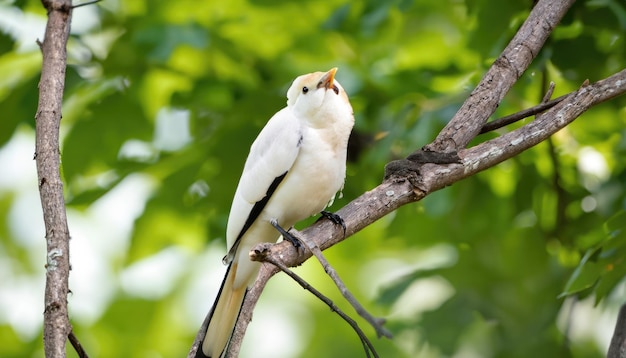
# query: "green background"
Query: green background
164,98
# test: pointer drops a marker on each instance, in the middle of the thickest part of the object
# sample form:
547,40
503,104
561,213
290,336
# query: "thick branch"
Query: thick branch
398,191
48,118
505,71
418,179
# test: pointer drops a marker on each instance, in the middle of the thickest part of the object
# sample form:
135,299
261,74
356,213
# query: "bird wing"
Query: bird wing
271,157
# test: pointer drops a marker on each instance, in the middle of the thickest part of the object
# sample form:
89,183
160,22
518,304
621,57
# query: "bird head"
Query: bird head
318,96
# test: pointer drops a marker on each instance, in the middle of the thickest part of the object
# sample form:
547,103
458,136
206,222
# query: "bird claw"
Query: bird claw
288,236
294,241
336,219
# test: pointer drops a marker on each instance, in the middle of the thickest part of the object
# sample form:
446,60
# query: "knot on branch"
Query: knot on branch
62,6
283,252
409,168
53,307
261,251
506,64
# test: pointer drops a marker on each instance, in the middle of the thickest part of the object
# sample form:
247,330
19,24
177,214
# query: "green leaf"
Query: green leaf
584,276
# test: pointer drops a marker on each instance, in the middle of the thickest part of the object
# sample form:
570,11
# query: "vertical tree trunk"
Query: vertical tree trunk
47,155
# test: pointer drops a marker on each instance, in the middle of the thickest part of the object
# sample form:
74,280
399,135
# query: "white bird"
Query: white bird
294,169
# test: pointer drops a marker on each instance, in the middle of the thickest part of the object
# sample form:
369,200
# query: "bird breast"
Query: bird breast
316,176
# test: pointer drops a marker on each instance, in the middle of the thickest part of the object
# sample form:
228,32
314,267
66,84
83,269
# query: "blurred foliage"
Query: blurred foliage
174,92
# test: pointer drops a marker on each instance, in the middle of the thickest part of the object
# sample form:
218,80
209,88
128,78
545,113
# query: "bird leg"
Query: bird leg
336,219
287,236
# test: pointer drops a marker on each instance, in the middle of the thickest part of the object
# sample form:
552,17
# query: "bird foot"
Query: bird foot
336,219
288,236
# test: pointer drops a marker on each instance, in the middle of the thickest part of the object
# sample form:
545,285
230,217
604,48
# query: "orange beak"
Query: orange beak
327,80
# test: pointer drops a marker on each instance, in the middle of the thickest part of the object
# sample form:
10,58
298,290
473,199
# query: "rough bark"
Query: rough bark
48,119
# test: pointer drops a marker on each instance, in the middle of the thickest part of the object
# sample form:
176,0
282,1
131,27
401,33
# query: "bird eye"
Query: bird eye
335,89
305,89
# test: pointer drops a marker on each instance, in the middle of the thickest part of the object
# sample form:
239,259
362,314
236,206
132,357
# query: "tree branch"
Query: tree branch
252,297
499,79
416,180
376,323
367,345
48,119
77,346
397,191
617,347
512,118
411,181
86,3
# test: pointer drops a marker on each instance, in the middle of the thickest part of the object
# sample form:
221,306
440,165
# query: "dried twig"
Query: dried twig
549,92
377,323
512,118
291,236
86,3
367,345
77,346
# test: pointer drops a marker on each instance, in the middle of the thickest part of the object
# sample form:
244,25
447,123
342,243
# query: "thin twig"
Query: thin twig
77,346
367,345
549,92
377,323
512,118
86,3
